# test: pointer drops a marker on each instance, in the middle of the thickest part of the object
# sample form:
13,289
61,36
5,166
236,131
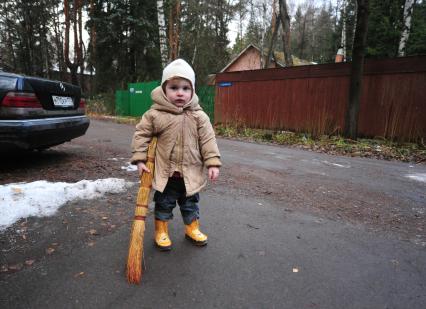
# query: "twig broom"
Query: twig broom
134,259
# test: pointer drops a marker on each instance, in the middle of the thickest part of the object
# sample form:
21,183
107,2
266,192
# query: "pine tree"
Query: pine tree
385,26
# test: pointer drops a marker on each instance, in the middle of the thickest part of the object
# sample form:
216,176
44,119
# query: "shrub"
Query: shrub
101,104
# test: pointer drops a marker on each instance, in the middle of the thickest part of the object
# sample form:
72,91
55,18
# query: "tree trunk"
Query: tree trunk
9,43
80,58
355,19
164,53
92,63
275,26
59,46
408,11
285,21
73,66
357,70
343,42
47,58
303,39
174,30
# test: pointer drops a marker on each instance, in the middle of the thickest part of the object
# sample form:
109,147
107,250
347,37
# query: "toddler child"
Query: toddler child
186,145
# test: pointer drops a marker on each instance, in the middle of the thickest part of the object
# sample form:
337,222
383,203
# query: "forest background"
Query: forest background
116,42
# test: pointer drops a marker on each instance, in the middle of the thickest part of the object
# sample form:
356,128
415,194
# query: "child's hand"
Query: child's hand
142,168
213,173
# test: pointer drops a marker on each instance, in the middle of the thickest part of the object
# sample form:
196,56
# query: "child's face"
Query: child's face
178,91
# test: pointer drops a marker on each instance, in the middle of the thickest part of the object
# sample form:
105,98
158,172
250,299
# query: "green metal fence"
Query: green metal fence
140,97
137,99
122,103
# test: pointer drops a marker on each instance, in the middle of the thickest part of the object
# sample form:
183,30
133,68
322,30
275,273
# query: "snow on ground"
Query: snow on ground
129,167
417,176
43,198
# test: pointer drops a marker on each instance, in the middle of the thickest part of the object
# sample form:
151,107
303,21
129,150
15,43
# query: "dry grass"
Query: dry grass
335,145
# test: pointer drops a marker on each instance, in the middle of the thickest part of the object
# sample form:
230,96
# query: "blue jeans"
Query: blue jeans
175,192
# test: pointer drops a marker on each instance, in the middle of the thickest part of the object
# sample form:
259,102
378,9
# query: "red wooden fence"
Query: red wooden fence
313,98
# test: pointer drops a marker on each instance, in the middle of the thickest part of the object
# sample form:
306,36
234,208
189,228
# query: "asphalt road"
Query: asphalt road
287,228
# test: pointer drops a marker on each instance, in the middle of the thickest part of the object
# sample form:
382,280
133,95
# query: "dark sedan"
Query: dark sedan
37,113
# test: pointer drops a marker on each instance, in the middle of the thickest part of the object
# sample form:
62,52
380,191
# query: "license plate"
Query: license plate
62,101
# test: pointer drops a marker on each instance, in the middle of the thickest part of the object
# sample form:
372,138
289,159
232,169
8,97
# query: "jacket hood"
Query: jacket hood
161,103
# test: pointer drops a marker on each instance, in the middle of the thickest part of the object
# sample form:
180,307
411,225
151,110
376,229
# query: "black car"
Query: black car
37,113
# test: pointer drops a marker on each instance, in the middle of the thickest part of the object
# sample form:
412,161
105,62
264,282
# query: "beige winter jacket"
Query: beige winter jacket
196,146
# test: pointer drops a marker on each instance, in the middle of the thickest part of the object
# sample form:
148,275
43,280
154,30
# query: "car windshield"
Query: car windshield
7,82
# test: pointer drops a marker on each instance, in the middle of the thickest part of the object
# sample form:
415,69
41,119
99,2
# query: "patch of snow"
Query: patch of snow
417,176
43,198
419,210
129,167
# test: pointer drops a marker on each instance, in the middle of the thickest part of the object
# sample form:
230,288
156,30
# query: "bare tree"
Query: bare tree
78,44
93,58
174,30
408,11
357,70
162,33
285,21
275,24
343,41
59,41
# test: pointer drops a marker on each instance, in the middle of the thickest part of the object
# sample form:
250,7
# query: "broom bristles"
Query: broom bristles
135,256
134,265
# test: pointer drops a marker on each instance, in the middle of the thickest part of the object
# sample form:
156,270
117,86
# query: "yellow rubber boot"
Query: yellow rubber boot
193,233
162,239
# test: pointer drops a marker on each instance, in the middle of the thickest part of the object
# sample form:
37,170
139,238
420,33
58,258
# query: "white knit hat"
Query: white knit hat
178,68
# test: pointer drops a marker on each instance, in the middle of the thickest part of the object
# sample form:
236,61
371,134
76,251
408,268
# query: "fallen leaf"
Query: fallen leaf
80,274
252,226
50,250
16,266
29,262
24,237
93,232
17,190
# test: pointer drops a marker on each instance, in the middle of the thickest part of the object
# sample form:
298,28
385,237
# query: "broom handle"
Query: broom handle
151,159
146,178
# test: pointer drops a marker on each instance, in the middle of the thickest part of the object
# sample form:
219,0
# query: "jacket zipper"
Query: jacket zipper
182,143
